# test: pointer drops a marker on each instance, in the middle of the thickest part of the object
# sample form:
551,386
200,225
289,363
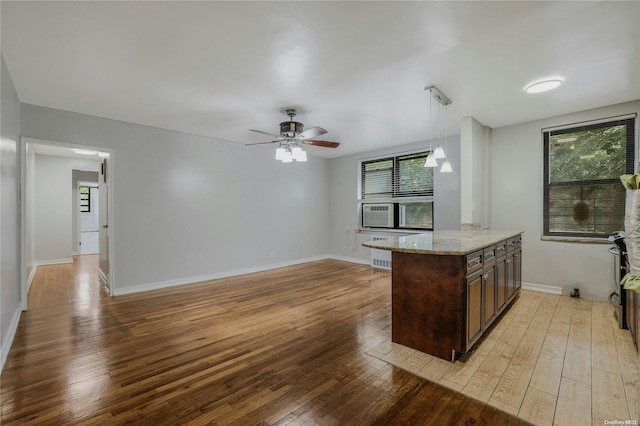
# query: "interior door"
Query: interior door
103,206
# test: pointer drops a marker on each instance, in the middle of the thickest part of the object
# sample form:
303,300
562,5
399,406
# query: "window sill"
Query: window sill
392,231
587,240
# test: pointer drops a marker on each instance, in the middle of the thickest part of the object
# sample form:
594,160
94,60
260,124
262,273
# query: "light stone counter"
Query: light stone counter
443,242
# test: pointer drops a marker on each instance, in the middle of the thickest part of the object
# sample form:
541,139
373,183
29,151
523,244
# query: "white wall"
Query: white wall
10,291
187,207
516,179
54,226
343,177
475,169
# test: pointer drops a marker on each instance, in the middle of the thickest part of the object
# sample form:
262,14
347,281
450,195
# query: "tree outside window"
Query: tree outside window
583,196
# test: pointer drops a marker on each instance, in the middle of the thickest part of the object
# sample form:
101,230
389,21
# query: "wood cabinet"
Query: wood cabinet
442,304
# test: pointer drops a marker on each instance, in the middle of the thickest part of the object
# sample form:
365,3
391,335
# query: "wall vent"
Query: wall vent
380,258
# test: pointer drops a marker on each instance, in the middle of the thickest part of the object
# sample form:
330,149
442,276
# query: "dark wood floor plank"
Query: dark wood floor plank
279,347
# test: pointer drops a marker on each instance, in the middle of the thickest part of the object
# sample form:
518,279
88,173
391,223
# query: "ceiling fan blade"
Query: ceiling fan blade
261,143
311,133
326,144
265,133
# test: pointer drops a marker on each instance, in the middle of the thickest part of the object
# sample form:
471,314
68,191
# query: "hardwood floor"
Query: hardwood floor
551,360
285,346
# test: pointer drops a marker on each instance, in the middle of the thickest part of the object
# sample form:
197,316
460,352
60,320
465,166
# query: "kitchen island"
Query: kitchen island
449,286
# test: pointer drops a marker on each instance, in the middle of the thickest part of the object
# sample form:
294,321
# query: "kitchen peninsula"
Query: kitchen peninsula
449,286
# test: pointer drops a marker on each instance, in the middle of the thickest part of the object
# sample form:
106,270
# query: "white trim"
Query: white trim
349,259
52,262
75,253
102,276
11,333
542,288
209,277
32,274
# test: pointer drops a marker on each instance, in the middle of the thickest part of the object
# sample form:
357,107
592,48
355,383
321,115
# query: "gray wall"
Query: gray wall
343,182
10,305
187,207
516,203
54,225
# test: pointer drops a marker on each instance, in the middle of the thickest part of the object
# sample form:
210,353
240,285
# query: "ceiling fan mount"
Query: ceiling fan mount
289,129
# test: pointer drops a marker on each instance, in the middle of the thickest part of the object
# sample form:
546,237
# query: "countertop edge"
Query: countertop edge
505,236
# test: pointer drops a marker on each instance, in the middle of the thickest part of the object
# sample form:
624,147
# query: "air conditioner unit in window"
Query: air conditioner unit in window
378,215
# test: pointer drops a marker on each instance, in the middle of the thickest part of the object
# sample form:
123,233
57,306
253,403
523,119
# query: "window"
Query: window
85,199
583,195
402,180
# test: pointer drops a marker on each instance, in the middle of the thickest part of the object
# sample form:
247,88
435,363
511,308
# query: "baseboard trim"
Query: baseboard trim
209,277
34,268
102,276
53,262
542,288
6,345
349,259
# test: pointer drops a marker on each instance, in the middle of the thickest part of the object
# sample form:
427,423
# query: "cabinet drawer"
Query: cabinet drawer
489,255
511,244
518,241
501,249
474,261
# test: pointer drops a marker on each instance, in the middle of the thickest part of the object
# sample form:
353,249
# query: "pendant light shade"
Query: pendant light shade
439,153
280,153
431,161
446,167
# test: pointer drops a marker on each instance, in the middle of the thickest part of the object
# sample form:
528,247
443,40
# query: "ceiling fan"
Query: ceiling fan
292,134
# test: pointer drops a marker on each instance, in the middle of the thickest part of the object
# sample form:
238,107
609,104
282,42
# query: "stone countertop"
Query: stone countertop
443,242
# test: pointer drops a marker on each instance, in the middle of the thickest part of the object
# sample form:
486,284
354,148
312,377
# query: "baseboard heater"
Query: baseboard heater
380,259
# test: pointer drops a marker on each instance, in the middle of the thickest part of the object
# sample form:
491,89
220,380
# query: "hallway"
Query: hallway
76,283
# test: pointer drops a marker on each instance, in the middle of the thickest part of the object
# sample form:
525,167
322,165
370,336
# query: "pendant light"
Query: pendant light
438,153
431,158
446,166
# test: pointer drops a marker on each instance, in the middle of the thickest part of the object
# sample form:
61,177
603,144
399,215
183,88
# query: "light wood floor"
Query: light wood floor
549,360
280,347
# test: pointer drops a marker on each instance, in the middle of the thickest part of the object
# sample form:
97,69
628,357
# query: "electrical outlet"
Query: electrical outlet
273,254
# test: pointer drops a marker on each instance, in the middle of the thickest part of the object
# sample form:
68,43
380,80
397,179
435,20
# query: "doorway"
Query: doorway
88,204
88,223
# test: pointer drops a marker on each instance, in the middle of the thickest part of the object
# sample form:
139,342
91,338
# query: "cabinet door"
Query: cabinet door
489,295
517,270
501,283
474,308
510,276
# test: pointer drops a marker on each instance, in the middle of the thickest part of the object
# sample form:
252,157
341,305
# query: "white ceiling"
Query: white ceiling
358,69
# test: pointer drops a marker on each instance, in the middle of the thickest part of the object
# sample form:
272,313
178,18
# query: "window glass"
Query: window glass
583,196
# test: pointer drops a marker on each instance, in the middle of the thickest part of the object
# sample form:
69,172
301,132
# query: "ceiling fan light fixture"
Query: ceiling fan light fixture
439,153
446,167
543,85
280,153
431,161
287,158
302,156
296,152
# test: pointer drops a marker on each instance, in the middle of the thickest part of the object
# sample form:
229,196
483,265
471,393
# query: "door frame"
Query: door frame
24,141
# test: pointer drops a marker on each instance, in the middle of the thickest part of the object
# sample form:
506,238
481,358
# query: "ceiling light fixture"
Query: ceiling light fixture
543,85
438,153
290,151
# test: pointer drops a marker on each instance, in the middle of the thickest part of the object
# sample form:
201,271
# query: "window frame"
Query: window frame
397,196
629,121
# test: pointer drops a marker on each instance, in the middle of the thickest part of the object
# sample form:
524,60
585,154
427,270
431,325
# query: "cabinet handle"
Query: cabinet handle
508,260
485,276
